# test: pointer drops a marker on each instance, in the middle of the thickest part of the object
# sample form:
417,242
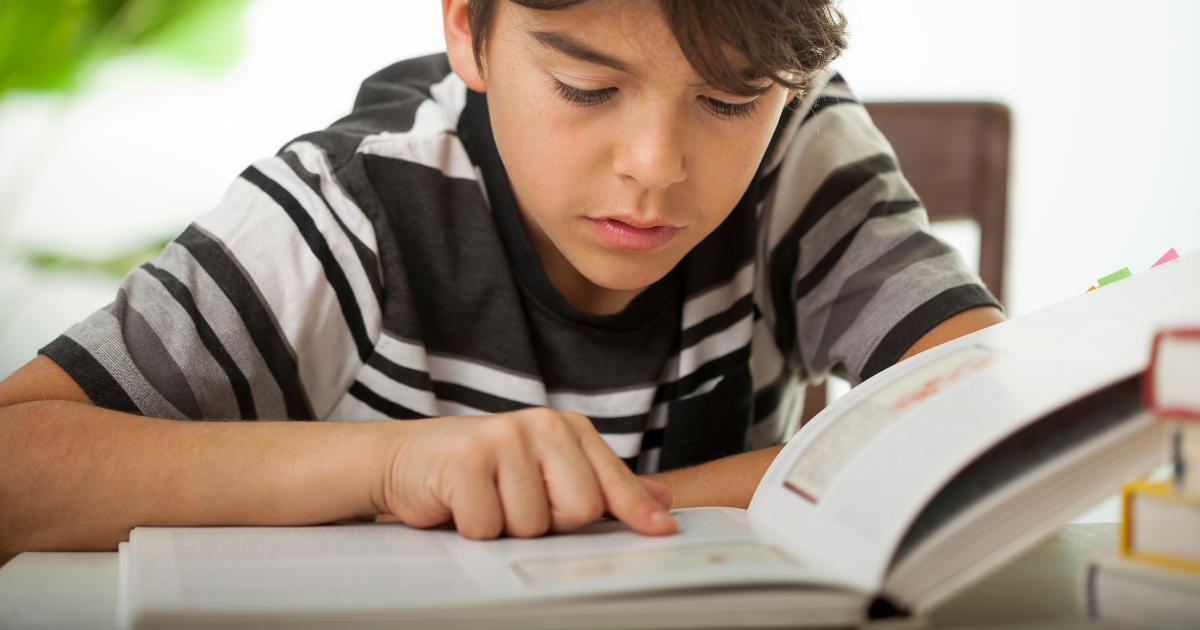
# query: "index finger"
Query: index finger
627,499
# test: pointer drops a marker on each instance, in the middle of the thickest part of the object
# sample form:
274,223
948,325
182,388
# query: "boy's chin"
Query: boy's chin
627,275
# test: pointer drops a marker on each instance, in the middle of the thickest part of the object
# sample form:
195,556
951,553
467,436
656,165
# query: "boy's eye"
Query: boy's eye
595,97
731,110
582,97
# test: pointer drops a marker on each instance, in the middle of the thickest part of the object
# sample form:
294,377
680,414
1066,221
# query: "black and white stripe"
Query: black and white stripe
378,269
258,324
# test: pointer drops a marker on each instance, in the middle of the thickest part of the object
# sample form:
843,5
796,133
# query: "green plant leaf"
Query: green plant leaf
53,44
118,265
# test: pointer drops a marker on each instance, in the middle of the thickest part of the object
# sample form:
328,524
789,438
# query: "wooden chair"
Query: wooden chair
955,155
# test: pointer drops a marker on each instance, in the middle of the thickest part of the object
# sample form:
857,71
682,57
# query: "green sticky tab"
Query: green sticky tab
1114,276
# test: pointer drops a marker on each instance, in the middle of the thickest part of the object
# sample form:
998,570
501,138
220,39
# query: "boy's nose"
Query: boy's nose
649,150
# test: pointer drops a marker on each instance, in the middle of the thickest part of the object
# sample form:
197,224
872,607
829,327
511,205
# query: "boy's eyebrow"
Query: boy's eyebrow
572,47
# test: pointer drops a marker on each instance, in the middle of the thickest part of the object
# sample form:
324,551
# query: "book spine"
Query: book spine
1125,535
1091,606
1186,453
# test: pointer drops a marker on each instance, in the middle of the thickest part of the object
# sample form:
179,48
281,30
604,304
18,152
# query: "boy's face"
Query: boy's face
618,153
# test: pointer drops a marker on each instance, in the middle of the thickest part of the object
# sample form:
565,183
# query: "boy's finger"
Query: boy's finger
570,482
627,499
522,492
475,505
661,493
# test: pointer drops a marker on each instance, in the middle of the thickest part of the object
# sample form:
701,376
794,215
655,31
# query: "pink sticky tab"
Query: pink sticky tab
1167,257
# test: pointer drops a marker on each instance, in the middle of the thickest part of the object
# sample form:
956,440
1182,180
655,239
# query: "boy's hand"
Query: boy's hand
522,473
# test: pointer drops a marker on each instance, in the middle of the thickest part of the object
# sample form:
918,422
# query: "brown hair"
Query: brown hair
786,41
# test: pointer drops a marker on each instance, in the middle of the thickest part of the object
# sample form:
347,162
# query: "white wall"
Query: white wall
1104,97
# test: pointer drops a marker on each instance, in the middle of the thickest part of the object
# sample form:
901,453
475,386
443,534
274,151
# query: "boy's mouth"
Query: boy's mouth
620,234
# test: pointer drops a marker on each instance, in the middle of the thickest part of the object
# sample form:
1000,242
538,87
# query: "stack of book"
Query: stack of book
1154,580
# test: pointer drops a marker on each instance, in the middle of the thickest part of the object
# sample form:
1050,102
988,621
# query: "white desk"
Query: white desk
64,591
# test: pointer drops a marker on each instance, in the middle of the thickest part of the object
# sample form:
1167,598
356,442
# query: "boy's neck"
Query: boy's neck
582,294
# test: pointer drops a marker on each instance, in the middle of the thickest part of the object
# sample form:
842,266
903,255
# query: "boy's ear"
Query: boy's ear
458,44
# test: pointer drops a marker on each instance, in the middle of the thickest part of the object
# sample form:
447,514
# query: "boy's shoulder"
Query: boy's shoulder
388,109
403,81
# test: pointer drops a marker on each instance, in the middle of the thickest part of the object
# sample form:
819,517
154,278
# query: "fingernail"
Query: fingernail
659,518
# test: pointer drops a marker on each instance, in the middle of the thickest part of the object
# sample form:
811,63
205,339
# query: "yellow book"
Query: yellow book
1161,525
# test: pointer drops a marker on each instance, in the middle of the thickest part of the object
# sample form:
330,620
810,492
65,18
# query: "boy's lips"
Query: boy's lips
623,234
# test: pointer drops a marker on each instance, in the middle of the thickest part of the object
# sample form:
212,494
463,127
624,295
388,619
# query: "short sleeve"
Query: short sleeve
857,276
264,308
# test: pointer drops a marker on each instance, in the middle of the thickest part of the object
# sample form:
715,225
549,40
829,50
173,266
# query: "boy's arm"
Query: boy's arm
76,476
731,481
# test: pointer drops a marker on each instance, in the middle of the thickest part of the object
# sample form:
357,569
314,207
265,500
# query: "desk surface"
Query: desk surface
65,591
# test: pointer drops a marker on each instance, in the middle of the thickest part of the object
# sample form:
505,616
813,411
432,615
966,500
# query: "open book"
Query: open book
918,482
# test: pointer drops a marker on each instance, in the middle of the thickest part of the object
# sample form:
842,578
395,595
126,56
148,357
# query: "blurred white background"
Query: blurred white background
1102,95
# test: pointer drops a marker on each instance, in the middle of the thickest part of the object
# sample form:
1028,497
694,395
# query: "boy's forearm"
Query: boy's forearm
728,482
79,477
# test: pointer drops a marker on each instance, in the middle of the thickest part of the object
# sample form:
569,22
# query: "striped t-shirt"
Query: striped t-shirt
378,269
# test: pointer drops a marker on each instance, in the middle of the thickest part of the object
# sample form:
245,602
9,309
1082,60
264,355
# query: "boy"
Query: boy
594,231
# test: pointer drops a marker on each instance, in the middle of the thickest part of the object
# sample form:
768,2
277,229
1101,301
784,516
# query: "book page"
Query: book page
839,441
358,564
795,492
847,495
1023,452
636,564
389,566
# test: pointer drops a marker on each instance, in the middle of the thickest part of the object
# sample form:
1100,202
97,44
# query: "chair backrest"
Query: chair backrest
955,155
